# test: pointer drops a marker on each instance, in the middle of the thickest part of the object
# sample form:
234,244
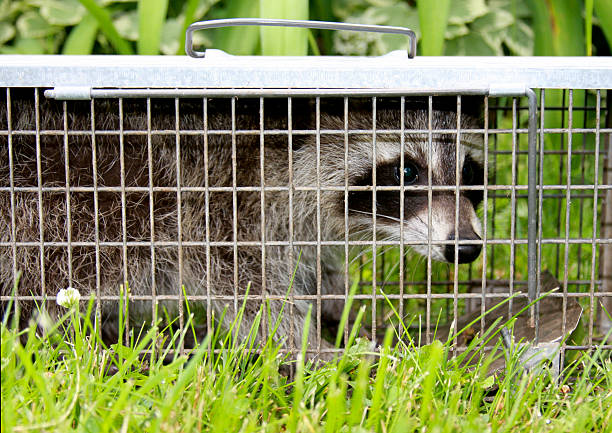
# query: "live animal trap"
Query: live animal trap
298,177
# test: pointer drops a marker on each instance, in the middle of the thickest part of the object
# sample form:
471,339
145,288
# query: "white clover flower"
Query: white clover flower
68,298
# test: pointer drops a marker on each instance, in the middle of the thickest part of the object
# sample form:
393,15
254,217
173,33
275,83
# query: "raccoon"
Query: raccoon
126,193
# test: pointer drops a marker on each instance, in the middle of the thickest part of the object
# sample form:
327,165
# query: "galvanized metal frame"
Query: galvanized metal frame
596,75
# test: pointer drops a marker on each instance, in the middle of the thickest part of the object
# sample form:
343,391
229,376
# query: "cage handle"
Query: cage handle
324,25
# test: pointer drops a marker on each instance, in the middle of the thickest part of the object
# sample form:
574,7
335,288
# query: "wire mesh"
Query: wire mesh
196,200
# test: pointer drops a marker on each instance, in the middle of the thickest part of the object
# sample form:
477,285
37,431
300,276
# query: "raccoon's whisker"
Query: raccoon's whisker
361,253
378,215
391,272
380,252
368,262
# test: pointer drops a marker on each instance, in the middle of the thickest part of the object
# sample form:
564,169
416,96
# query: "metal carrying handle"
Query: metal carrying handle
325,25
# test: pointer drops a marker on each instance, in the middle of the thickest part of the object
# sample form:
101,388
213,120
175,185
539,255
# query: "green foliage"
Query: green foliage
474,27
98,27
450,27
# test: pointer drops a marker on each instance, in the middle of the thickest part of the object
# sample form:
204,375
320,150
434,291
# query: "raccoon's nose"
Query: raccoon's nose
467,253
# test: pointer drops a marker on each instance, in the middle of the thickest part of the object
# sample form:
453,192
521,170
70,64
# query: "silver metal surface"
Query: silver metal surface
323,25
222,71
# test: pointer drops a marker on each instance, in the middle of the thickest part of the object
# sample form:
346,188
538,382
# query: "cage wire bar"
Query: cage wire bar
221,76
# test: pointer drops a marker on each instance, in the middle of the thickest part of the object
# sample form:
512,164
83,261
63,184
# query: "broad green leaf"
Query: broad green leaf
9,8
603,10
25,46
126,24
456,30
365,43
493,40
343,9
31,25
518,8
470,45
493,21
8,49
82,37
357,44
433,18
169,44
402,16
519,39
281,41
62,13
107,27
151,14
7,32
466,11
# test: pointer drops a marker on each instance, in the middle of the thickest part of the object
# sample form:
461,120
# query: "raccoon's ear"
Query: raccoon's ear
473,174
471,105
302,113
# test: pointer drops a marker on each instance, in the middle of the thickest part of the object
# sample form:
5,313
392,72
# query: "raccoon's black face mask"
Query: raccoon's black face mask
428,207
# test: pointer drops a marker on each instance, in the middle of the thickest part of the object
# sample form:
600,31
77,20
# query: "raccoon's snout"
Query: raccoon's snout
466,253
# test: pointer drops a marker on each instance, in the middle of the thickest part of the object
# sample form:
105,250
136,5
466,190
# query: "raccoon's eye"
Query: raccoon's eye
467,174
411,173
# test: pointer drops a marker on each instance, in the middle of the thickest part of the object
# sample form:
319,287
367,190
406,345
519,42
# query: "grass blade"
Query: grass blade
434,361
298,390
151,17
433,17
558,28
543,39
359,393
378,395
107,27
188,17
82,37
240,41
345,314
588,26
281,41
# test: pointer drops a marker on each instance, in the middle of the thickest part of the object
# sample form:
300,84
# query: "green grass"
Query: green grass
67,380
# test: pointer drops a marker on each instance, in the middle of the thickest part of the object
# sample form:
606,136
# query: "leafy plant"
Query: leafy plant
450,27
143,27
474,27
98,27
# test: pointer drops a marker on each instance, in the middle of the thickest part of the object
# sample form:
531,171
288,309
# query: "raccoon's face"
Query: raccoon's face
434,212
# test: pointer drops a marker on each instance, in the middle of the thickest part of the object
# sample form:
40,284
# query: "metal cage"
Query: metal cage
546,130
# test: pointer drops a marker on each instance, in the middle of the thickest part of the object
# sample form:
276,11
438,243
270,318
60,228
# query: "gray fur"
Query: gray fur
278,268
